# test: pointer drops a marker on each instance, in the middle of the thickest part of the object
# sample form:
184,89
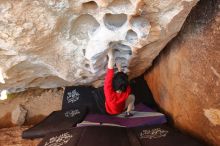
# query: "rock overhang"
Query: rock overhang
51,43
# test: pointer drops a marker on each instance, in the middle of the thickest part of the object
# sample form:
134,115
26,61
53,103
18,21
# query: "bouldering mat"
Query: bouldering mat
78,96
161,135
57,120
143,115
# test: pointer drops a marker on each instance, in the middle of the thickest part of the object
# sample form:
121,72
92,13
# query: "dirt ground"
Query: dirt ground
12,137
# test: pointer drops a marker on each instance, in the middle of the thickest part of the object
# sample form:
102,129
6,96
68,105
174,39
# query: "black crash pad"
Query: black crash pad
78,96
56,121
161,135
90,136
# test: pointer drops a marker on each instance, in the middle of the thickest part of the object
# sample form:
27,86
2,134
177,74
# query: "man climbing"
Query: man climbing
114,98
117,91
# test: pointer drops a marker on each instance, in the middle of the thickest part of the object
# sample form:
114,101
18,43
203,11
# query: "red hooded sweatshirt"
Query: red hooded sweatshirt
114,102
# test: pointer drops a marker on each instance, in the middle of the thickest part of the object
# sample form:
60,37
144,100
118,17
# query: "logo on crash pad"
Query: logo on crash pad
60,140
153,133
72,113
72,96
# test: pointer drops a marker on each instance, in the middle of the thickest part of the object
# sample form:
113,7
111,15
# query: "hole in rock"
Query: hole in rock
119,47
91,5
121,5
87,65
84,52
114,21
84,77
139,22
131,36
141,25
83,26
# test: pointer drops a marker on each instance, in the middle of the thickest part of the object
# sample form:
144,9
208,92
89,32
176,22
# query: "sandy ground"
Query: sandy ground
12,137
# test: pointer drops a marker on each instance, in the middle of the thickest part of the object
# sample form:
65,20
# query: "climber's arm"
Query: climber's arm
111,60
118,65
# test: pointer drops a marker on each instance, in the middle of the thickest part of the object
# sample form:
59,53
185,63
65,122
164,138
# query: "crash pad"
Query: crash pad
142,115
80,96
56,121
161,135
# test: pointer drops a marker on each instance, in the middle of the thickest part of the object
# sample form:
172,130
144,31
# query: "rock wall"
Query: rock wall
52,43
185,79
29,107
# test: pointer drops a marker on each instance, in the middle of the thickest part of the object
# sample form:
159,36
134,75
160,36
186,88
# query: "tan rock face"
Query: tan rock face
18,115
29,107
51,43
185,79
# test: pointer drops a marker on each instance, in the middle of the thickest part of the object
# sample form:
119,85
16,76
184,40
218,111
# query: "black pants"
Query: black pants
99,97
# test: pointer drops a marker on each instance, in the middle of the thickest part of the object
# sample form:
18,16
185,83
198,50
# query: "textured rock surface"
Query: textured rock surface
38,102
185,80
50,43
18,115
12,137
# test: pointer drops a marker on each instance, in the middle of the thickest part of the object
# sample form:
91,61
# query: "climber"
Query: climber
117,91
114,98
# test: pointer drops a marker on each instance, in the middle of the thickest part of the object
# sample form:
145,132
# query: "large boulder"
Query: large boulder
185,79
52,43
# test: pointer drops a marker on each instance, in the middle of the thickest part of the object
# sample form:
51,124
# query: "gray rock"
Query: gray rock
18,115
